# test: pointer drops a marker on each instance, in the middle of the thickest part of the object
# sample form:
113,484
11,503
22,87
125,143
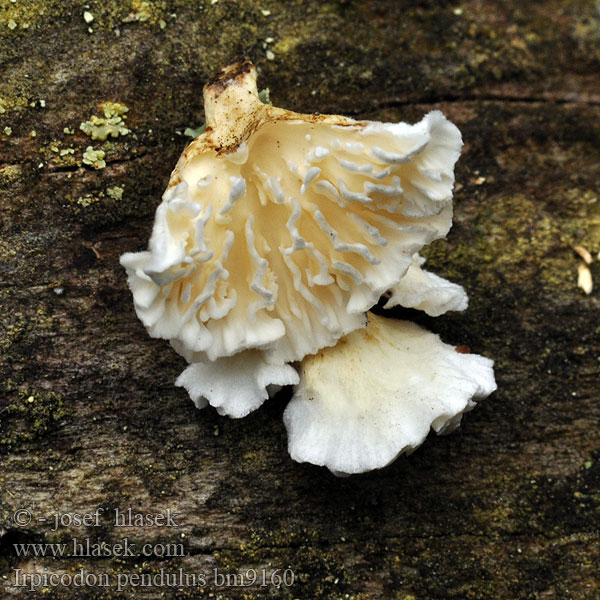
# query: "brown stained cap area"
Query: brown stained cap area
239,67
234,111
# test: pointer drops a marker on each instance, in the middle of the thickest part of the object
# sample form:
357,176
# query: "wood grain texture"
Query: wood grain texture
507,507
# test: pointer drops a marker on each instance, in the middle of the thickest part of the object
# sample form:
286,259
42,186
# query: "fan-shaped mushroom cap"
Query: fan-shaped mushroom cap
278,229
427,291
236,385
377,393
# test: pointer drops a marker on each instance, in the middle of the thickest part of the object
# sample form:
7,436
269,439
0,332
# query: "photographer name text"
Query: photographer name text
120,518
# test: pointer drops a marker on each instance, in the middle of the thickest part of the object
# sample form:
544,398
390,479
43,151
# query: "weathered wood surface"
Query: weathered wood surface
508,507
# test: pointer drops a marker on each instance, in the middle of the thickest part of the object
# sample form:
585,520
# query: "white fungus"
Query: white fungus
279,230
377,394
427,292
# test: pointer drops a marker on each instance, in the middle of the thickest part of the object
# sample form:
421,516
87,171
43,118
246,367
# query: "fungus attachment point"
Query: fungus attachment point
279,230
378,393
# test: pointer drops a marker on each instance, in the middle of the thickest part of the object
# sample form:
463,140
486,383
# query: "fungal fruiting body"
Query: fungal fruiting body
279,230
366,418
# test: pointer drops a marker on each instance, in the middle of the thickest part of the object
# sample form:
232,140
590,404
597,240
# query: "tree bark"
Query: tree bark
90,421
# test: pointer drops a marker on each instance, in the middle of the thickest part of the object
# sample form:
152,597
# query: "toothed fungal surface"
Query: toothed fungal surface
279,230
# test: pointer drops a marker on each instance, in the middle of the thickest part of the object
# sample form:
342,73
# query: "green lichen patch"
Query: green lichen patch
194,133
56,153
141,12
115,192
30,415
109,196
87,200
265,96
104,205
12,330
94,158
144,11
10,174
111,124
10,103
21,15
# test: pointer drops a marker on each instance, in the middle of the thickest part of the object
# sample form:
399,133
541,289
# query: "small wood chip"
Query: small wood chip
584,279
95,251
584,253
